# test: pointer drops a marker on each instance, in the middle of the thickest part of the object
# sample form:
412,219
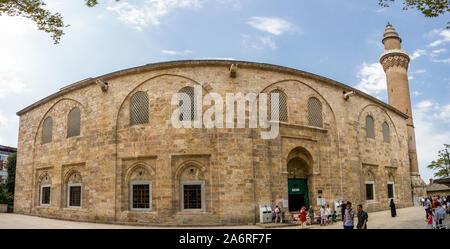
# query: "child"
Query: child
323,216
333,216
430,220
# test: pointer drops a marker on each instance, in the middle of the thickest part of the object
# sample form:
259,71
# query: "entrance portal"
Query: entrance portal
298,194
299,170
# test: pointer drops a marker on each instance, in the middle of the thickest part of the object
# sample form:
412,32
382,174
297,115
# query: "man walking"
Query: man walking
349,216
362,218
343,207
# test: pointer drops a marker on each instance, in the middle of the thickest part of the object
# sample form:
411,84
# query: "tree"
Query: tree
429,8
11,166
442,164
34,10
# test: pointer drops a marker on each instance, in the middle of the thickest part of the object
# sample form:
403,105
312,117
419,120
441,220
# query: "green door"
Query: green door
298,194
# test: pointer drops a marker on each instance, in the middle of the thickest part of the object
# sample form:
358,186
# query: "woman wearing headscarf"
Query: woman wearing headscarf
393,210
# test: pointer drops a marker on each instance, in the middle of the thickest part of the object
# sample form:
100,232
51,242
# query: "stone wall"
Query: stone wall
239,169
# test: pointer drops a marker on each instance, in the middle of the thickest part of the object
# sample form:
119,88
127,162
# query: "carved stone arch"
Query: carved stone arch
139,172
83,109
190,170
44,178
134,90
369,175
387,119
73,176
320,96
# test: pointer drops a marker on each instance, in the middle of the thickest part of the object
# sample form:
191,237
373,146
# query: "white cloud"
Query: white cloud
372,80
273,25
444,37
428,116
260,42
410,77
268,41
417,93
441,60
150,12
173,52
436,52
417,53
419,71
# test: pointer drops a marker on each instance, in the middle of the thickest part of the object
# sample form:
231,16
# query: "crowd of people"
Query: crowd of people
436,210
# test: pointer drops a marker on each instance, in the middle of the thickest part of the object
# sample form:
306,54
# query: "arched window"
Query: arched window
139,108
74,190
47,128
370,127
192,189
188,98
282,106
44,189
391,187
370,186
386,136
140,188
314,112
73,129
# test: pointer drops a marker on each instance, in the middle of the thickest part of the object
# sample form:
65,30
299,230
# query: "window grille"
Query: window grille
390,190
370,127
75,196
74,123
314,112
282,106
141,196
189,96
369,191
386,135
139,109
47,128
192,196
45,196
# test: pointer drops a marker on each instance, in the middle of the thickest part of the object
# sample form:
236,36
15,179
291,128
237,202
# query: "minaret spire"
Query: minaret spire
395,63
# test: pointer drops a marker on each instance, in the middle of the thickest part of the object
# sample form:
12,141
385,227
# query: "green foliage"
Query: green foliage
442,164
34,10
11,166
429,8
5,196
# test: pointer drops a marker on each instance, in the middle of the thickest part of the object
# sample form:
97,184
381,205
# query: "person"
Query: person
333,216
439,214
427,209
343,207
311,214
303,217
278,214
363,217
349,216
328,213
393,210
429,220
323,216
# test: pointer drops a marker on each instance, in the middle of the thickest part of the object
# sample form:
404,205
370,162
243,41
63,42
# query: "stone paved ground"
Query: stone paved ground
410,218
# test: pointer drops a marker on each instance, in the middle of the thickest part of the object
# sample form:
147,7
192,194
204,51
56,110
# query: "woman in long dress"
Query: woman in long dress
393,211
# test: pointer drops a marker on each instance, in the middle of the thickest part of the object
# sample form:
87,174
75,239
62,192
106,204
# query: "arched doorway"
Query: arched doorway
298,168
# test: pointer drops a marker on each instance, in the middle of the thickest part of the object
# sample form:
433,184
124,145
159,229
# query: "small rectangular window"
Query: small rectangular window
74,196
140,196
45,195
390,190
369,192
192,196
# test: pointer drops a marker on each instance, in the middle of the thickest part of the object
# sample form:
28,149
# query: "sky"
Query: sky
340,40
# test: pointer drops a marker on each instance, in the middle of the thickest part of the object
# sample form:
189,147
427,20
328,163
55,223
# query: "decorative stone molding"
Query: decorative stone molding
394,58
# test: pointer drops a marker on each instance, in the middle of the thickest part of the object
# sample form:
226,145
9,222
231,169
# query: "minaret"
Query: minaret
395,63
